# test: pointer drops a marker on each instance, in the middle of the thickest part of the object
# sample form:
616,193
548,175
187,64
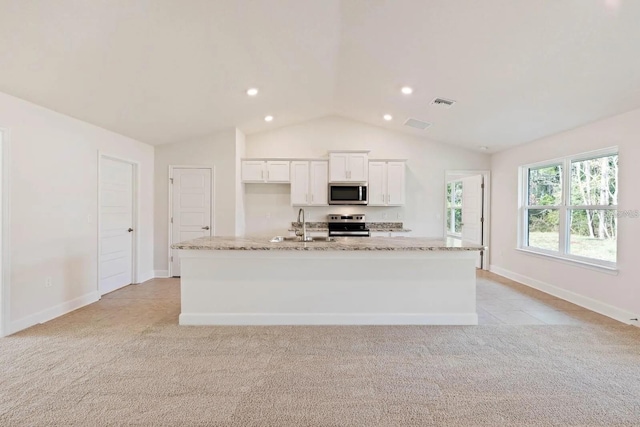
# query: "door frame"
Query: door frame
170,206
135,241
486,207
5,264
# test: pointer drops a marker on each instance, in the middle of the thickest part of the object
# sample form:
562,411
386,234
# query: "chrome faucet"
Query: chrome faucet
304,236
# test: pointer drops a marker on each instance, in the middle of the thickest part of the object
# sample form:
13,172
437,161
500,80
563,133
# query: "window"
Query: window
569,207
454,207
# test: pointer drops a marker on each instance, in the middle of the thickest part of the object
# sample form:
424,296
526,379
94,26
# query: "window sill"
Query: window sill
585,264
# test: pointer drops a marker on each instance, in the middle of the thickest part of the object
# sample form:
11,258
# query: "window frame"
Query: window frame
564,208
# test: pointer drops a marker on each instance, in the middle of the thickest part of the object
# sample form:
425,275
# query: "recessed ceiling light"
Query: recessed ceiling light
387,117
252,91
268,118
406,90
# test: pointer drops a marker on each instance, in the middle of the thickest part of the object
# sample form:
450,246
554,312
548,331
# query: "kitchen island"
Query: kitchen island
346,281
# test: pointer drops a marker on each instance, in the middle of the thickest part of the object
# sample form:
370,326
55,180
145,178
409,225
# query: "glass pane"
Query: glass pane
457,193
543,229
458,220
594,234
449,220
595,181
449,191
545,186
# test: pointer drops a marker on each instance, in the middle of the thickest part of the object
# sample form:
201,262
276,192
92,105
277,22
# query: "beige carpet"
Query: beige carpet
125,361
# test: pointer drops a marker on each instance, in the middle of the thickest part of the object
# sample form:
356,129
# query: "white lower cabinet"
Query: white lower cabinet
309,183
386,183
390,234
312,233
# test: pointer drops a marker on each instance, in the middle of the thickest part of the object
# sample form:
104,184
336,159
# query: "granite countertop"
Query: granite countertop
260,243
394,227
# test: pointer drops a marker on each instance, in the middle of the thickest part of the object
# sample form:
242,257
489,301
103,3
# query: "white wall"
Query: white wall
268,206
218,150
594,287
53,191
241,148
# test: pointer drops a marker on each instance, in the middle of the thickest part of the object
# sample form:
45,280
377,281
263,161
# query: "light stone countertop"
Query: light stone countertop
261,243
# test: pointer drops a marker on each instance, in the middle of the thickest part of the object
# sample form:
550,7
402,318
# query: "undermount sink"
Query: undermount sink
280,239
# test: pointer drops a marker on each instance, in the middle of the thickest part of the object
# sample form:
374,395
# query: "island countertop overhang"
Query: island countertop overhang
262,243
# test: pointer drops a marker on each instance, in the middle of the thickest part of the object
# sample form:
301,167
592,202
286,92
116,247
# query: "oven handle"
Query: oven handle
348,234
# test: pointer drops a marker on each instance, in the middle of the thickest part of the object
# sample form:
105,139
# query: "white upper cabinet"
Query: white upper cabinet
377,184
276,171
299,183
396,187
319,183
253,171
358,167
309,183
348,166
386,183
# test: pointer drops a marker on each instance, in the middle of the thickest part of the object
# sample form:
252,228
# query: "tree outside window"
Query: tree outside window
569,207
454,207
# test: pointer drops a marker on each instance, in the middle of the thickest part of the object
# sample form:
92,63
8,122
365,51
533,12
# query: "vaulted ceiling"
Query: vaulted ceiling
164,71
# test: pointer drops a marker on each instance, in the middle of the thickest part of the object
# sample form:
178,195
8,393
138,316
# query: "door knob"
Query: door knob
130,230
206,227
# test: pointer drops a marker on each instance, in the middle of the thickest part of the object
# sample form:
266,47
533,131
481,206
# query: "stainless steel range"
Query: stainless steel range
347,225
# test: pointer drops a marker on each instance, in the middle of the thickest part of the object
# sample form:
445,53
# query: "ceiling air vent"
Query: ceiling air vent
441,102
418,124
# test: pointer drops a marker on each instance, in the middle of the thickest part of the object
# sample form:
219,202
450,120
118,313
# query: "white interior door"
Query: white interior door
191,208
472,210
116,224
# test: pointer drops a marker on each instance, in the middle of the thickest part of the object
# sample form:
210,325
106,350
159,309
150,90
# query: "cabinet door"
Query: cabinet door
319,183
338,163
277,171
253,171
395,183
377,184
358,167
299,183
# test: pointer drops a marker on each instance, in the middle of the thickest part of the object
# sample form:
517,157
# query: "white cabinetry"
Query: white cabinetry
276,171
348,166
390,234
309,183
386,183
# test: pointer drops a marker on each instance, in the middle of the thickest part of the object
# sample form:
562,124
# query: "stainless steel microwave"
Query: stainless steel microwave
348,193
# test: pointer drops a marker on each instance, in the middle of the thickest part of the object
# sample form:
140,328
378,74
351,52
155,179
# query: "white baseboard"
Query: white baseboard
616,313
53,312
161,274
146,276
327,319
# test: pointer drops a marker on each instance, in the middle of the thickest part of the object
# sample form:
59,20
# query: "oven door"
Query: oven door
347,194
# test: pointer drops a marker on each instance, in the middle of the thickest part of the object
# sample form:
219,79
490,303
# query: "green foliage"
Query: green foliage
545,186
594,183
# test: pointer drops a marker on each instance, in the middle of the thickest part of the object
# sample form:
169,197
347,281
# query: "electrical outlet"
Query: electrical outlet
48,282
399,216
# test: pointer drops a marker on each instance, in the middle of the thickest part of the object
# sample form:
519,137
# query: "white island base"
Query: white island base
246,287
